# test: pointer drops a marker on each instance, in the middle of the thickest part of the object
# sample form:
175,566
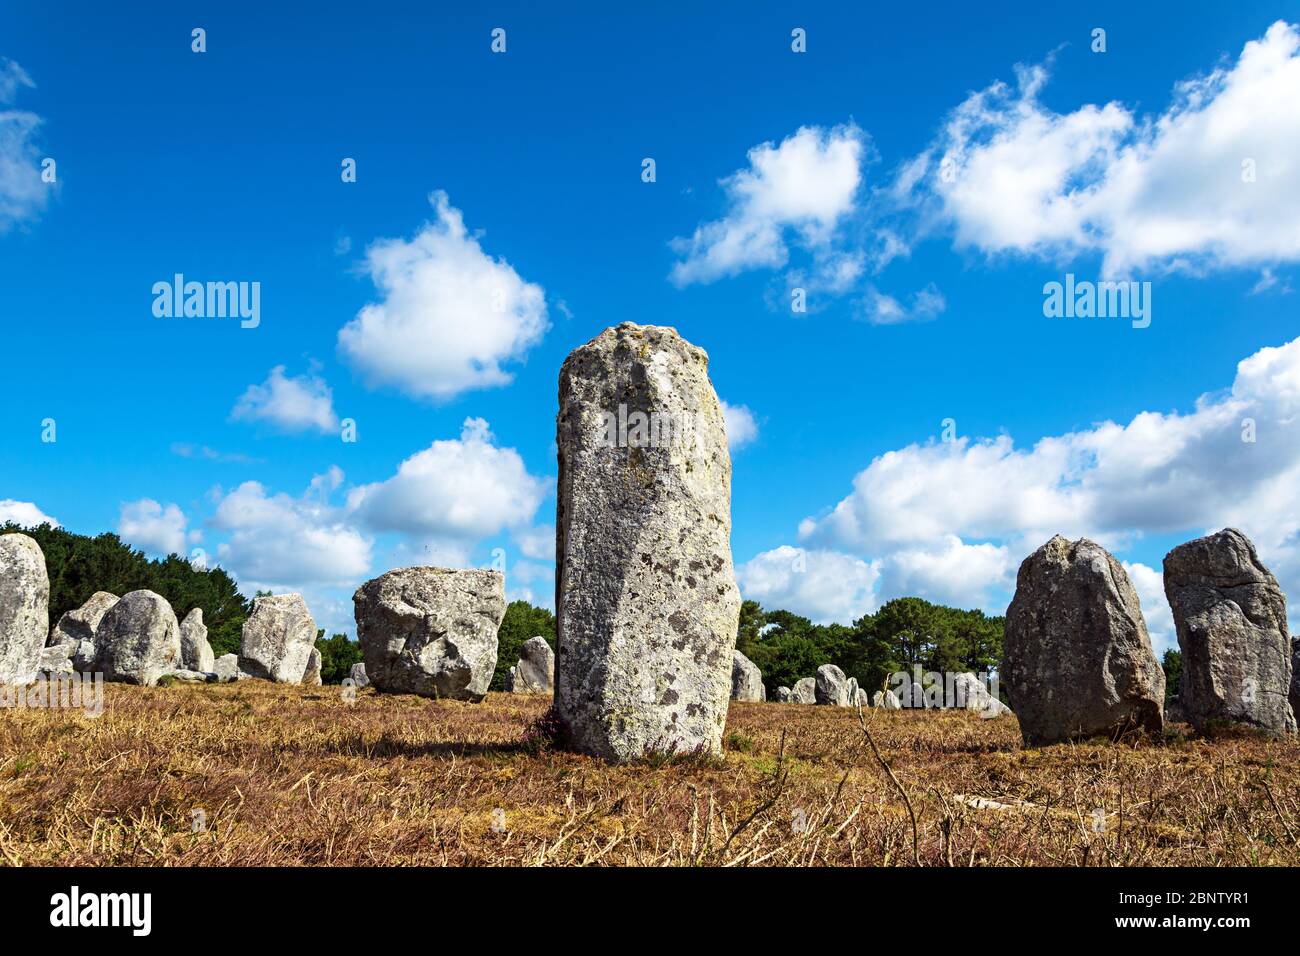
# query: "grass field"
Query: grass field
288,775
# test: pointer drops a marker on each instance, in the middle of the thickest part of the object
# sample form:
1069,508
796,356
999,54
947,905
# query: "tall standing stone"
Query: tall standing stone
746,679
24,608
431,631
1230,616
139,639
535,672
646,600
1077,659
196,652
277,639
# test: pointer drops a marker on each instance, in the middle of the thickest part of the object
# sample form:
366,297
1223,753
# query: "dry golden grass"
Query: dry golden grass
289,775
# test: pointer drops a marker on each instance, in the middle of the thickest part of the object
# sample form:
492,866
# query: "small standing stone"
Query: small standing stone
140,639
311,676
431,631
784,695
277,639
832,687
1077,659
535,672
358,675
226,668
196,652
746,679
81,626
1230,615
804,691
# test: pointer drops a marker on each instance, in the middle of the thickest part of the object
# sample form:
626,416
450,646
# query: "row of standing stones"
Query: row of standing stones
647,606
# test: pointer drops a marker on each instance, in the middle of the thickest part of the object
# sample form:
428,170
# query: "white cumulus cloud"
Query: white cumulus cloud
280,541
825,586
742,427
464,488
451,315
24,513
290,403
152,527
1209,183
801,188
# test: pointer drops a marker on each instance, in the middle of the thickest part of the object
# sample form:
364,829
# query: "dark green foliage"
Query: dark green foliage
337,655
79,566
903,633
1173,666
522,621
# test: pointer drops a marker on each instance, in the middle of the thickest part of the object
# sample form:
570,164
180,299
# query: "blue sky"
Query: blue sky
919,205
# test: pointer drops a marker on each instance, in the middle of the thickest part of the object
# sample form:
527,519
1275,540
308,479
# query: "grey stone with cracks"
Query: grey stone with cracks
646,600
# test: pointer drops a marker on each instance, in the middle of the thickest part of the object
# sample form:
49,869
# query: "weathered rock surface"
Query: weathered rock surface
861,698
277,639
746,679
431,631
311,676
784,695
187,676
358,675
1077,659
804,691
24,608
139,639
196,652
1230,615
971,693
832,687
57,658
81,626
226,668
886,699
646,598
535,672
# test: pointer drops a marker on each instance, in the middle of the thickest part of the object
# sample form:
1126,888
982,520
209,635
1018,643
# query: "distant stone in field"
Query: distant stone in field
861,698
81,626
1230,615
24,608
431,631
746,679
311,676
358,675
226,668
196,652
832,687
1077,659
647,603
277,639
911,696
886,699
57,658
535,672
971,693
784,695
188,676
139,639
804,691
